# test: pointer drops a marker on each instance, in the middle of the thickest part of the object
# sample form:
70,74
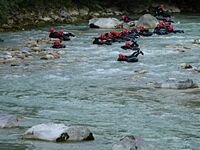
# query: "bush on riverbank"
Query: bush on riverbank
16,14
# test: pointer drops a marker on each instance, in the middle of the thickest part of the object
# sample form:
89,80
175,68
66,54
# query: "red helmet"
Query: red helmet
102,36
127,43
60,32
57,42
141,27
51,29
161,5
121,56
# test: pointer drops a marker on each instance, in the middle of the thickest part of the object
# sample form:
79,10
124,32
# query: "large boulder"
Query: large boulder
9,121
58,133
104,23
132,143
176,84
148,21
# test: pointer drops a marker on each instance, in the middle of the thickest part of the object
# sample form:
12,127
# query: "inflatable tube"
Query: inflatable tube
69,34
131,59
146,33
64,38
160,31
178,31
131,48
58,46
54,35
99,42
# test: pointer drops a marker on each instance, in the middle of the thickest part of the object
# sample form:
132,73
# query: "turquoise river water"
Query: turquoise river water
88,87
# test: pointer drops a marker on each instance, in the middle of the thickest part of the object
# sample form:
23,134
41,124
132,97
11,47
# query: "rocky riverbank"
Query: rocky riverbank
23,18
18,20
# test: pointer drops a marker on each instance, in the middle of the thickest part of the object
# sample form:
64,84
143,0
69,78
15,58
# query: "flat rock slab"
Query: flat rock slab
58,133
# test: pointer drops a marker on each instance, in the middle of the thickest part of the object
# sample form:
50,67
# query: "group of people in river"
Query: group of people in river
129,36
59,36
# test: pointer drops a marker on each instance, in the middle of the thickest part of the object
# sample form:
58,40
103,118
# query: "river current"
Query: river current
88,87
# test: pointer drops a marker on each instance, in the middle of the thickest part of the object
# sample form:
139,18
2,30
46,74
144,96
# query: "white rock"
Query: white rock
132,143
47,132
105,22
148,21
58,133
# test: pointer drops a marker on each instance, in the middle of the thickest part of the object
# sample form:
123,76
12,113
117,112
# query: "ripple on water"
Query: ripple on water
87,86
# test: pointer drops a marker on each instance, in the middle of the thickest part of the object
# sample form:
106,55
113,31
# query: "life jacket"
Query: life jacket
125,31
115,33
109,35
167,24
170,28
161,24
102,36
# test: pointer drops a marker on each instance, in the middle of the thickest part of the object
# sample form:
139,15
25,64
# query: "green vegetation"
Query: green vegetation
9,7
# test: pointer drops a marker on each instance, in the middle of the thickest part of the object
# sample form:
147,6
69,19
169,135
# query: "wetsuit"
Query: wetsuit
101,42
160,12
133,46
58,46
54,35
145,32
131,58
69,34
62,37
1,40
160,30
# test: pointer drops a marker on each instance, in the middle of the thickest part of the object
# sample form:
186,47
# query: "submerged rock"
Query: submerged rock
197,69
132,143
58,133
78,133
9,121
196,41
140,71
51,55
148,21
186,66
104,23
176,84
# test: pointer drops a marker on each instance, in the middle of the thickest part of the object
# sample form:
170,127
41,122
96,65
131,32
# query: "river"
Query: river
88,87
